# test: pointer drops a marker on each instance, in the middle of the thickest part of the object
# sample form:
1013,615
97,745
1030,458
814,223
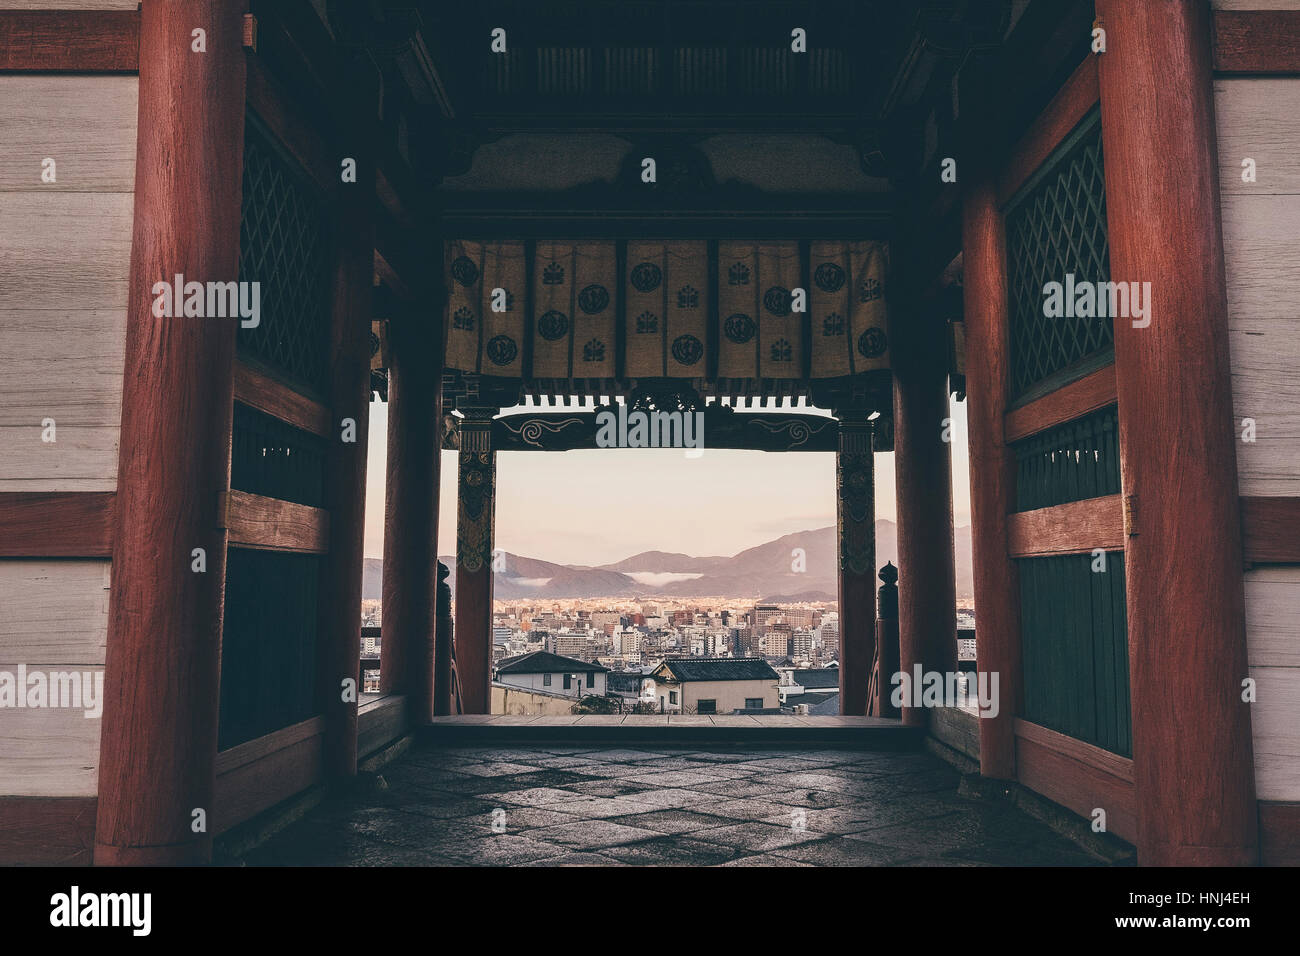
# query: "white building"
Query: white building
553,674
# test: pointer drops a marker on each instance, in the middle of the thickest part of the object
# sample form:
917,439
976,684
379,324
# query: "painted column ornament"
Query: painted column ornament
856,493
476,511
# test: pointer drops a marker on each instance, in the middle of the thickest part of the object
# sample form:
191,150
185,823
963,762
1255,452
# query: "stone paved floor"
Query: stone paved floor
575,806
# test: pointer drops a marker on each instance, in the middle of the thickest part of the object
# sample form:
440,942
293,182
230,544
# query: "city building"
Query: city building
553,674
715,686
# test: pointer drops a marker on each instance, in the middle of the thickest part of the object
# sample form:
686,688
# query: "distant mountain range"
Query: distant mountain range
763,572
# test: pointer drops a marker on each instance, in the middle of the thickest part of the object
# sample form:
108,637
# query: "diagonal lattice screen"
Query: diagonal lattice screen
282,246
1057,228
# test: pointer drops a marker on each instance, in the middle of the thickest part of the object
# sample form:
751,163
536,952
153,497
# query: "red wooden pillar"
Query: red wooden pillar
992,471
1192,755
927,582
158,735
411,513
856,499
474,534
349,385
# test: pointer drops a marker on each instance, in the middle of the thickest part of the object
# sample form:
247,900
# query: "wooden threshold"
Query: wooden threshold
56,524
256,389
1270,529
1260,42
1078,776
1078,398
271,524
69,41
1076,527
257,775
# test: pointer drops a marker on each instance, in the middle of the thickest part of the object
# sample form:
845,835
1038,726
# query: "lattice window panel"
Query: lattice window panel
1071,462
1057,227
268,643
283,246
274,459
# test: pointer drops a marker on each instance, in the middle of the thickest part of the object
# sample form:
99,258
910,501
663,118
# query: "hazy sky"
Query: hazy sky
600,506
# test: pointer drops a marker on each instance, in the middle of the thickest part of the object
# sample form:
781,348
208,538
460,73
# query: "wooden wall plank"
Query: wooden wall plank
86,124
61,365
48,751
54,612
1257,41
1265,388
1074,528
1261,247
47,831
62,41
55,619
1273,616
1259,118
83,459
1069,402
1275,726
64,256
56,525
65,251
255,388
270,524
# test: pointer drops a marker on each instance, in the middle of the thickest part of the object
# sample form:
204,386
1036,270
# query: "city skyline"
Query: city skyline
721,509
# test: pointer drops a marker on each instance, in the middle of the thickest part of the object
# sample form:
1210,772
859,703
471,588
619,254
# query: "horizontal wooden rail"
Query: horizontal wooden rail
47,831
70,41
379,723
1257,41
1075,749
1079,94
1279,833
257,775
259,390
56,524
1076,527
271,524
1067,403
1270,529
1077,775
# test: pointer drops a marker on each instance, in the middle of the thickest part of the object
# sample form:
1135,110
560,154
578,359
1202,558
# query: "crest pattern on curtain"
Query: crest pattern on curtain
667,304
